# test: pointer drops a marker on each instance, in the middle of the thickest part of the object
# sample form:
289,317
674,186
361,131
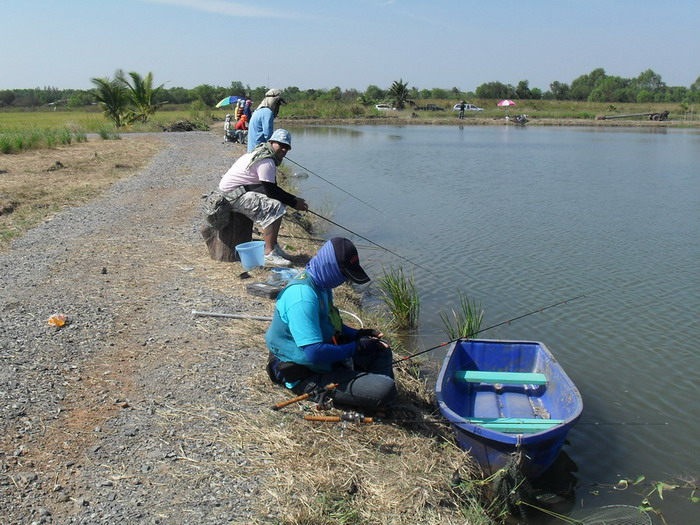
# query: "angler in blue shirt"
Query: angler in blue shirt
310,347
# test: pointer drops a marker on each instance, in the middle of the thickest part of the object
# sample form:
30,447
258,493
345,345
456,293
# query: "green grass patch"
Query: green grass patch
18,141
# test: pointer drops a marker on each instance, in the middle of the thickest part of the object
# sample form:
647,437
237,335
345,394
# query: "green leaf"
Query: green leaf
623,484
639,479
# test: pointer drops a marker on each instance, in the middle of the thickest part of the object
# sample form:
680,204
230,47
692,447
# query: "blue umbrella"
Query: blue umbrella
228,101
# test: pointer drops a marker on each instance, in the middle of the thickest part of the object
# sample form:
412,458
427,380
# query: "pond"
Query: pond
520,218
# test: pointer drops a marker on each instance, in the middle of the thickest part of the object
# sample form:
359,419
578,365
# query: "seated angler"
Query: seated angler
251,187
310,347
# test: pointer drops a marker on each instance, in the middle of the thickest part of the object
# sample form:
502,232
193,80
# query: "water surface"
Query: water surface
519,218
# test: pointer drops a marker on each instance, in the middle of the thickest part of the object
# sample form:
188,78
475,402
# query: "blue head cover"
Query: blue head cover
324,269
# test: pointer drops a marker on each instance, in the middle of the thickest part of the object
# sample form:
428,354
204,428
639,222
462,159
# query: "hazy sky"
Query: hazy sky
347,43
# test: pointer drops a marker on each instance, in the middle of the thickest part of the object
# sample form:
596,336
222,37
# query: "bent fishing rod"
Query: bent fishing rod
335,186
372,242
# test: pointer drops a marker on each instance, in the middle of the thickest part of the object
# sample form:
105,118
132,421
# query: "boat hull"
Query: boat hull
500,420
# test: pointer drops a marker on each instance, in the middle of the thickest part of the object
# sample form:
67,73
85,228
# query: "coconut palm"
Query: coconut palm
142,94
398,94
113,96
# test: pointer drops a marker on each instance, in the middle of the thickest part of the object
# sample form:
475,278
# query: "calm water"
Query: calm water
521,218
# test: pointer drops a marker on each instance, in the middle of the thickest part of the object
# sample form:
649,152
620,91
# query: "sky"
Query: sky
321,44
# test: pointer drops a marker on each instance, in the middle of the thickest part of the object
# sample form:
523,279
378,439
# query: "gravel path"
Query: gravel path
114,417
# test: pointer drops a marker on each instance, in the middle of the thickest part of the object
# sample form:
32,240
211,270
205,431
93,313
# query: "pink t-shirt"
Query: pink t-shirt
238,174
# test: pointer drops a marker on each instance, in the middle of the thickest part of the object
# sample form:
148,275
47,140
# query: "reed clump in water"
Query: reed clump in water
400,295
466,322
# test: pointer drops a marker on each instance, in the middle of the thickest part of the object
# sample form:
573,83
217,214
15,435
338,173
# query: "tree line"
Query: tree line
596,86
135,95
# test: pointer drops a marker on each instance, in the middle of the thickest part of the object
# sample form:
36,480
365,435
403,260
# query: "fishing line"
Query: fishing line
508,321
371,241
321,241
397,361
336,186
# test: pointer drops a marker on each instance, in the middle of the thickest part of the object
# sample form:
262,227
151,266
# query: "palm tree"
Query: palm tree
398,94
114,99
142,94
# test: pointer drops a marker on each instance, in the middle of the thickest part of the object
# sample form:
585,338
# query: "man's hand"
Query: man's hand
367,332
368,346
301,205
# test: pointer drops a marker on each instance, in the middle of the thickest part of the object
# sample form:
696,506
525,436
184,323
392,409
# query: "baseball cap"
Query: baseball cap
348,260
282,136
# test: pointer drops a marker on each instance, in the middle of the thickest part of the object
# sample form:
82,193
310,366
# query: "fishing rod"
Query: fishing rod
371,241
335,186
471,335
333,386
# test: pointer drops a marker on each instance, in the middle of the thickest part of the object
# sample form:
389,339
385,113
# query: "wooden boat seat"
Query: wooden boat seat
505,378
514,425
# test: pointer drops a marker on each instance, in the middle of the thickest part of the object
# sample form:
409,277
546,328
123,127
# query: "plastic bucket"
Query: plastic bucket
252,254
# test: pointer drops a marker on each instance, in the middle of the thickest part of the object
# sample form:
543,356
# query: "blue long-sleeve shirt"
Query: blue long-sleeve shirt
261,127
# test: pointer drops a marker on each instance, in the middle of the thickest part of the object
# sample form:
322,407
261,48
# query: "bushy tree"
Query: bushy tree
560,90
441,94
207,95
80,99
649,81
695,86
7,97
374,93
523,90
582,86
495,90
236,89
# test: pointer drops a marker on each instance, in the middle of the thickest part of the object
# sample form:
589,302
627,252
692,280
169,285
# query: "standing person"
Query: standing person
261,123
309,345
247,111
251,187
462,107
239,109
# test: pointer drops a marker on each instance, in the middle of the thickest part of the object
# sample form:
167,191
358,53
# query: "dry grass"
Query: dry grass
392,472
37,184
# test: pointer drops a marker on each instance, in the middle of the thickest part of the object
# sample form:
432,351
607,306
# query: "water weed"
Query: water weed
400,295
463,323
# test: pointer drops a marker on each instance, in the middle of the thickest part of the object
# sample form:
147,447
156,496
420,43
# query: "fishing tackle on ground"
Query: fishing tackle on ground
349,416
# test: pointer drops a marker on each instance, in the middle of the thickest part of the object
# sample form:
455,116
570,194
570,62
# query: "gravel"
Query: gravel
117,416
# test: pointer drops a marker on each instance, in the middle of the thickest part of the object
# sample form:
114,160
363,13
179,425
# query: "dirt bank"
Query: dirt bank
115,417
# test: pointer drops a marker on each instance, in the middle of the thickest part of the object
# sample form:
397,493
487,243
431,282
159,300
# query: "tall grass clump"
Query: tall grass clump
108,133
463,323
401,297
18,141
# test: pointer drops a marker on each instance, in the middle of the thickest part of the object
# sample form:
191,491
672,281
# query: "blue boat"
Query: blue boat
507,401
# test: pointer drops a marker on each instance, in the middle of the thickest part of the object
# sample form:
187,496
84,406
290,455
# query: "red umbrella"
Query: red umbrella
506,103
